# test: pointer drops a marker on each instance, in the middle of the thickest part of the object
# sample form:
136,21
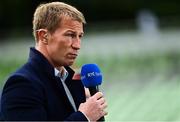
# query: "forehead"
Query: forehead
69,23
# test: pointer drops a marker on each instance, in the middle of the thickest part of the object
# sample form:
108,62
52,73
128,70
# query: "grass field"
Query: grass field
141,80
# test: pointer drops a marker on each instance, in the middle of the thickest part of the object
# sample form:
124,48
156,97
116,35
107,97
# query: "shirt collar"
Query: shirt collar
63,74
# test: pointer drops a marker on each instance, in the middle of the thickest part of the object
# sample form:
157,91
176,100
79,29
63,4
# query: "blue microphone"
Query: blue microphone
91,78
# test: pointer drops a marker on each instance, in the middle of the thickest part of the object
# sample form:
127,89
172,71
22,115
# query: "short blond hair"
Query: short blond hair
49,16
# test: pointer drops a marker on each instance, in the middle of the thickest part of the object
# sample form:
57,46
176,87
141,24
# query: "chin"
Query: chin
69,63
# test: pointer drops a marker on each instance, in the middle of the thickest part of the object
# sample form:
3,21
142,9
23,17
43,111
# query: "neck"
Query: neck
43,50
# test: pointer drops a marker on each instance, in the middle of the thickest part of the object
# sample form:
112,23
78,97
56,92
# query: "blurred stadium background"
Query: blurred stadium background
135,43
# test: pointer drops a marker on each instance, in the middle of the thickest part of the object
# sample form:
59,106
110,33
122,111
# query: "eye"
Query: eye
80,36
72,35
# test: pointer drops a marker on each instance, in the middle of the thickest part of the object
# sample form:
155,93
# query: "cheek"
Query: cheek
60,45
55,49
61,48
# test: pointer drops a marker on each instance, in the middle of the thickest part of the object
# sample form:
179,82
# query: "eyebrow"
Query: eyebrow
69,30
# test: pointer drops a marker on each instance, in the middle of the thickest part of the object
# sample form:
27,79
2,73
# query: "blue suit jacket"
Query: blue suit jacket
34,93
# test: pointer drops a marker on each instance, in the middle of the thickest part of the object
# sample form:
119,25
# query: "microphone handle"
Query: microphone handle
94,90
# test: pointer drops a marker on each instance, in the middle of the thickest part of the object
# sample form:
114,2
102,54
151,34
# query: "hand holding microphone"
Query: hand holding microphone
94,107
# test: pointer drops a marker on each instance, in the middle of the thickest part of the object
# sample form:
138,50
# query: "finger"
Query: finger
98,95
101,100
103,106
105,113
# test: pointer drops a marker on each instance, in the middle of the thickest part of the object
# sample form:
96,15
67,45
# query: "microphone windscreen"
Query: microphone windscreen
91,75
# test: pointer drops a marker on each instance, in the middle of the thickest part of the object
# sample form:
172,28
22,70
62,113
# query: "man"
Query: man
44,88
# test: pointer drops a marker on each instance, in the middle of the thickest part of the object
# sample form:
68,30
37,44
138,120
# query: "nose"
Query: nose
76,44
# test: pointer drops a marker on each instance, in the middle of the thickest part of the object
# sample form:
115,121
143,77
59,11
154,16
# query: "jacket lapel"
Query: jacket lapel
76,88
41,64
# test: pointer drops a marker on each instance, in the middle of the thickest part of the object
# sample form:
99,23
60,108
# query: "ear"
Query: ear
43,36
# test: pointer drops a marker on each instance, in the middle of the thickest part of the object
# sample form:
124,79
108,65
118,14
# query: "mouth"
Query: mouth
72,55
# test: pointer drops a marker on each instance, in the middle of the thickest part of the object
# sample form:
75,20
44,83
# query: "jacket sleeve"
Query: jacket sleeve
22,100
77,116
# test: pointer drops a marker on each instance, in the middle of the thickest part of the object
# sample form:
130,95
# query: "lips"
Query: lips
72,55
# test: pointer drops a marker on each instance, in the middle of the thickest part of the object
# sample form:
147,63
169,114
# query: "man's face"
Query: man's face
65,42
